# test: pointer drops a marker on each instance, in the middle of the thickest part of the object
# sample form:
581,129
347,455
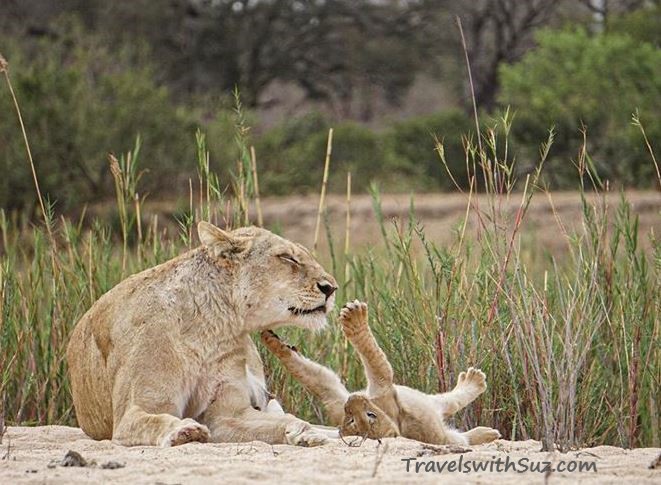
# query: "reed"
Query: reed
570,346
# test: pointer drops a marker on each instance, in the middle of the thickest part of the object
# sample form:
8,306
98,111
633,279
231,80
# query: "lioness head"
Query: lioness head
362,417
277,282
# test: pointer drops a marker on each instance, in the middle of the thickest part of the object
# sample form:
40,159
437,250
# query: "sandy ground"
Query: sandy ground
25,455
548,217
544,226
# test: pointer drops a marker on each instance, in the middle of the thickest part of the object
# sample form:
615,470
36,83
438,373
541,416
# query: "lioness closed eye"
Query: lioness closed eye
165,357
383,409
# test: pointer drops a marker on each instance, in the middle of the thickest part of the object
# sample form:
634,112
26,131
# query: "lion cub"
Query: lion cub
383,409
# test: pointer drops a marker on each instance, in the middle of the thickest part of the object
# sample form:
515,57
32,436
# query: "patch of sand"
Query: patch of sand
440,214
31,449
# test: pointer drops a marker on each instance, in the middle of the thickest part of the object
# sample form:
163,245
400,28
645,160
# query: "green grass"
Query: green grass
571,348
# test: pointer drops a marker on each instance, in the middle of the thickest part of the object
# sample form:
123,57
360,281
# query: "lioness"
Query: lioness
383,409
165,357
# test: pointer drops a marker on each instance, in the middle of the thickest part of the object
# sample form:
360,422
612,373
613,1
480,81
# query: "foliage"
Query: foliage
292,156
413,142
398,158
574,80
80,101
641,25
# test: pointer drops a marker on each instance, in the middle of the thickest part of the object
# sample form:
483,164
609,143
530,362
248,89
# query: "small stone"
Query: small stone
73,458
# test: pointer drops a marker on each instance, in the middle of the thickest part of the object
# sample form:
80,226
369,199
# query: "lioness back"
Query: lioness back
106,329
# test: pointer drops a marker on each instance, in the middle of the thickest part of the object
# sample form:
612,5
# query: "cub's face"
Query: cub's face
362,417
278,282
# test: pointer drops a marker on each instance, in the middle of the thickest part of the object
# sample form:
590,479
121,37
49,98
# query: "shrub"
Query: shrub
79,102
292,156
573,79
413,143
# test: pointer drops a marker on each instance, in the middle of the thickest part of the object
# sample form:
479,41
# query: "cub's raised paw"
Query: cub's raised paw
302,434
272,342
473,378
189,430
353,317
481,434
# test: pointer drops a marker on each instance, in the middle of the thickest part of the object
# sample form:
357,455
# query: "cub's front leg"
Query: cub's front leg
378,371
319,380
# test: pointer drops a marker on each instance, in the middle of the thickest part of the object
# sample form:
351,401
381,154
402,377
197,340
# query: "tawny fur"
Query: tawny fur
383,409
165,357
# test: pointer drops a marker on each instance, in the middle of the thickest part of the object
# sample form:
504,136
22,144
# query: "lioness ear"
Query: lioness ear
221,242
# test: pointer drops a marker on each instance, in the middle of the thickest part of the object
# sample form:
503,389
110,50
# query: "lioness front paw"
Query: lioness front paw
272,342
189,430
481,434
473,378
302,434
353,318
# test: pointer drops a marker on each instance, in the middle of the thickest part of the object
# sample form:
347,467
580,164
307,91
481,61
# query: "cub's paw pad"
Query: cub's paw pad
482,434
187,432
473,377
353,317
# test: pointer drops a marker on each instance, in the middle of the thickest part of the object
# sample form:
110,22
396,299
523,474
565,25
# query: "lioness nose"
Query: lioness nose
326,288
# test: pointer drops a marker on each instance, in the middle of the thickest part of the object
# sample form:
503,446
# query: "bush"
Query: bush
641,25
292,155
413,143
79,102
572,79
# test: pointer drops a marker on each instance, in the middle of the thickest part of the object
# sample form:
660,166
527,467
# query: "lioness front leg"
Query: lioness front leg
319,380
231,418
470,385
378,371
150,416
138,427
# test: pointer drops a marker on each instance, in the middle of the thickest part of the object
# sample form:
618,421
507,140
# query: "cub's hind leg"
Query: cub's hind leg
378,371
470,385
319,380
480,435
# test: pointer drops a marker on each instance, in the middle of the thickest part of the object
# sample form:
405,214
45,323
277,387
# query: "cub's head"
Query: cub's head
277,282
362,417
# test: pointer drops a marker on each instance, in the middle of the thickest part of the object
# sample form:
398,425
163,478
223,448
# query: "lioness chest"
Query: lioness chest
207,384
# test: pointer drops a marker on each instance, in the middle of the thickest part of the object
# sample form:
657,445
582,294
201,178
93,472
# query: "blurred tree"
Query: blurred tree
605,10
574,79
335,50
501,31
348,53
642,24
498,32
412,142
80,102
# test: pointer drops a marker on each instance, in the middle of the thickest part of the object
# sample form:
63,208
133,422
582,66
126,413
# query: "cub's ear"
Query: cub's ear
222,243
